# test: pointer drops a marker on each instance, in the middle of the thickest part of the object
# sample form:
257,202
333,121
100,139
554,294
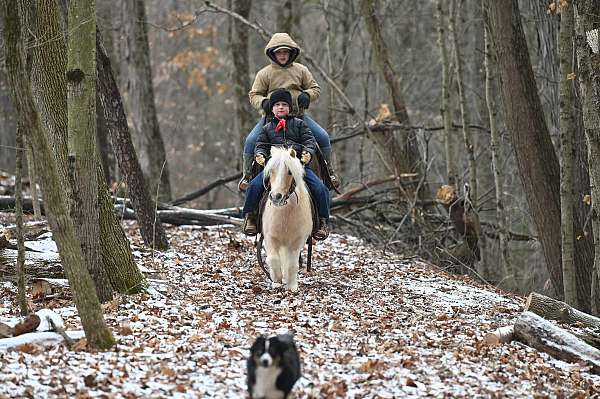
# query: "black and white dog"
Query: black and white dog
273,367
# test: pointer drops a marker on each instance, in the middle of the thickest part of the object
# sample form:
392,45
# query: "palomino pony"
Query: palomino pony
287,219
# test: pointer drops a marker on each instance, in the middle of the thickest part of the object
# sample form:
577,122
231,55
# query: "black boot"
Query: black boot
323,231
335,181
250,228
247,172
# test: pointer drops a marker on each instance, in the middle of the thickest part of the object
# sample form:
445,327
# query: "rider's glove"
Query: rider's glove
266,105
305,159
303,100
260,159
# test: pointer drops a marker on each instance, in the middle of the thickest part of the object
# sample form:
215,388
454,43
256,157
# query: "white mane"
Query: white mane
281,156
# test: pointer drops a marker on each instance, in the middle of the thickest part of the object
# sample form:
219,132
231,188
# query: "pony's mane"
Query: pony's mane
282,156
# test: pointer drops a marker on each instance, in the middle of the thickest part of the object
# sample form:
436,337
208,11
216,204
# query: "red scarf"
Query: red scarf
280,125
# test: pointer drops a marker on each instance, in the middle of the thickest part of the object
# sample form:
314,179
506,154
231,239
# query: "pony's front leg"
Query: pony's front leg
275,270
289,263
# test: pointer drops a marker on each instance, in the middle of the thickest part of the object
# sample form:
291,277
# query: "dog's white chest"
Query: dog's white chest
265,383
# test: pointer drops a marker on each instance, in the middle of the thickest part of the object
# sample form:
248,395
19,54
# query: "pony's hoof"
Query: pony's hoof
293,287
276,285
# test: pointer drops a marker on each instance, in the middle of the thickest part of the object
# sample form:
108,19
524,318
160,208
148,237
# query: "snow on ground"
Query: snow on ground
367,326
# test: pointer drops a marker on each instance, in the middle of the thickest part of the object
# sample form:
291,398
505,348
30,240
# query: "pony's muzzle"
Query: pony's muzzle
277,199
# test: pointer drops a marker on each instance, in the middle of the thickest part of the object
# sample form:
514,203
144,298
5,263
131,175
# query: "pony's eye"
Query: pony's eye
289,172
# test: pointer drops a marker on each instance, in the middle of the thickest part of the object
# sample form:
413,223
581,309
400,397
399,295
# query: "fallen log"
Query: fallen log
544,336
184,216
37,264
502,335
553,309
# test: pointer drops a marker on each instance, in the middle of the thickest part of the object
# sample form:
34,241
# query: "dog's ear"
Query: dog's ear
259,344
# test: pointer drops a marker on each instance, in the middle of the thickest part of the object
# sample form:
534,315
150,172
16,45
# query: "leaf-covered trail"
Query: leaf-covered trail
367,326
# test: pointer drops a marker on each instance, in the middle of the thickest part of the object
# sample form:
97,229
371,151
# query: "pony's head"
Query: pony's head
285,174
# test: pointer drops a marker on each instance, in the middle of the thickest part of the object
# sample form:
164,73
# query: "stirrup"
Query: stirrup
335,181
322,232
243,184
248,229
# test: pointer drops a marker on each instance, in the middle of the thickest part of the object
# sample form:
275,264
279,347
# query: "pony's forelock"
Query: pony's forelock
281,156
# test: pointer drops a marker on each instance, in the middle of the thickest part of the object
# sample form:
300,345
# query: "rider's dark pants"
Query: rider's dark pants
315,185
320,135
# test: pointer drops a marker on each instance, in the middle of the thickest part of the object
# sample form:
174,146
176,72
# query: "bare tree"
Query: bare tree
455,10
82,286
151,229
567,133
538,164
587,20
446,109
513,277
81,107
241,74
147,138
400,146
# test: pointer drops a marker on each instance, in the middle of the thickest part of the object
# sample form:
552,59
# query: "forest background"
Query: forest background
404,65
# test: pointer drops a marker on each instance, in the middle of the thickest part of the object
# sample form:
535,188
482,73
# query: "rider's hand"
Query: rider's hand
266,105
303,100
260,159
305,159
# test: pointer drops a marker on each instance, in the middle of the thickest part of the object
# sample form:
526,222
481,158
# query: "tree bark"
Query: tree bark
446,109
288,17
513,280
553,309
84,294
81,107
537,161
241,75
400,146
8,123
544,336
147,138
567,130
455,10
588,57
53,60
151,229
21,294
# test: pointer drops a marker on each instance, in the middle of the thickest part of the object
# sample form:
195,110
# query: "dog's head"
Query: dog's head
268,351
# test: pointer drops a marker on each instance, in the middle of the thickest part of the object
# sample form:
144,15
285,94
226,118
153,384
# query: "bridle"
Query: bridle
291,191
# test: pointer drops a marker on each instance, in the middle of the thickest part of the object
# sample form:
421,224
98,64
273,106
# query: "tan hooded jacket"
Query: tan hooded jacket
293,76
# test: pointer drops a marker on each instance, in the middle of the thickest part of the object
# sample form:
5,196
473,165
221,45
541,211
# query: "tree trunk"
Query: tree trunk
446,109
151,229
81,106
588,57
288,15
513,279
32,169
54,92
538,165
84,294
147,138
8,124
567,128
241,75
400,146
455,10
21,295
